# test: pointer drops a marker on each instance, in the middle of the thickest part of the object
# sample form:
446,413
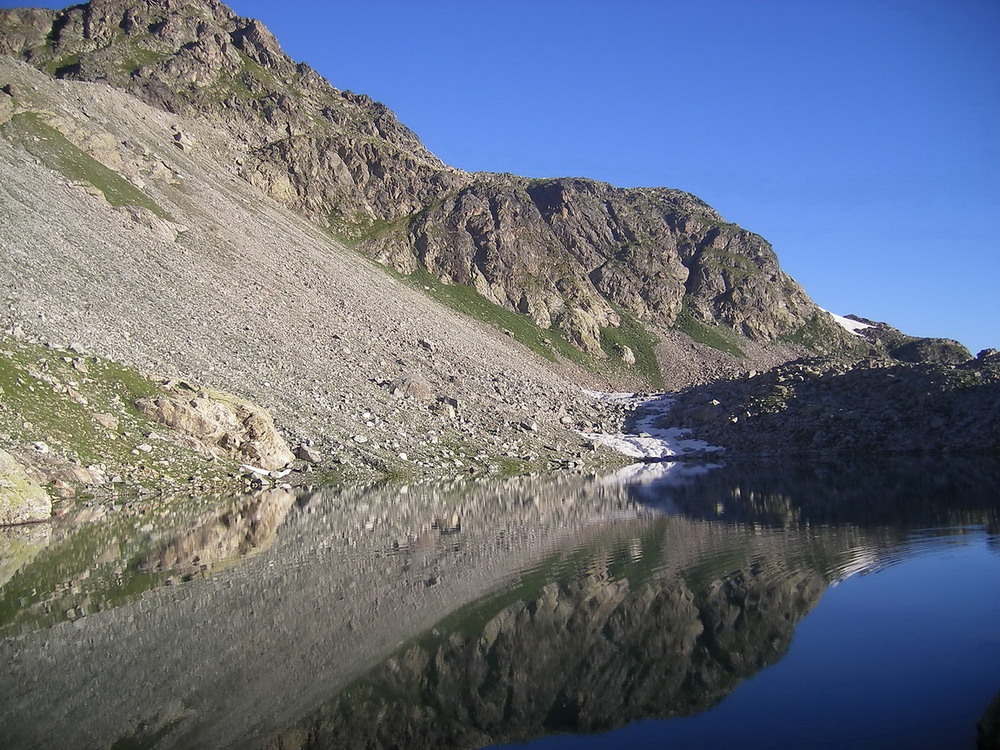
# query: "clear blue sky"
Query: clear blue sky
860,137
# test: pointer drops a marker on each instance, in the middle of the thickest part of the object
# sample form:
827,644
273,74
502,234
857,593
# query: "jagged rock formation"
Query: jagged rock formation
571,254
574,252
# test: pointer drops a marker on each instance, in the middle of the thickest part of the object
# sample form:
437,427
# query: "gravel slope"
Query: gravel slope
238,292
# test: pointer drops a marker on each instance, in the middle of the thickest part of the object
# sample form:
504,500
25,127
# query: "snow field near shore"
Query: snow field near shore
648,441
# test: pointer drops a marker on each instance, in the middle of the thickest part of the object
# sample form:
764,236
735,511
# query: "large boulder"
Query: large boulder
22,499
221,424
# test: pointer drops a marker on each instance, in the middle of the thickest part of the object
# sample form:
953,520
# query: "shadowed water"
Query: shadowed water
467,614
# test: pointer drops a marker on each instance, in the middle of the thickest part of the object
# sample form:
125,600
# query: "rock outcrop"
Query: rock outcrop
900,346
22,500
221,424
573,253
821,406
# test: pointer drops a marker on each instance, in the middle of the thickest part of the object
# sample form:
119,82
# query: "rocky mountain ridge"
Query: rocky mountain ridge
572,254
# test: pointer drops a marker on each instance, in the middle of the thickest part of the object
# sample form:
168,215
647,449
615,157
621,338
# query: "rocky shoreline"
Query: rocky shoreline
256,234
821,406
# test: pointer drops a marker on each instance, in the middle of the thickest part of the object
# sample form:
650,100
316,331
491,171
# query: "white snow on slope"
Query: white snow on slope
851,325
648,441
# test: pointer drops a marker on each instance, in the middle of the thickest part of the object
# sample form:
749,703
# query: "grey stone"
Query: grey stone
22,499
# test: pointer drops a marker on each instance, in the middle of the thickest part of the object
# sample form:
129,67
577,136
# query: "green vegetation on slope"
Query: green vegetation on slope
716,337
547,342
818,335
82,409
32,133
632,333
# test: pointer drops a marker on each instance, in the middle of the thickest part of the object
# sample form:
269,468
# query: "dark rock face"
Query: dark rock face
569,253
906,348
818,406
315,148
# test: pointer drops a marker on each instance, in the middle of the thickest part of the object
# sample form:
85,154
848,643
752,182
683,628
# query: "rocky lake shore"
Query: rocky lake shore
217,268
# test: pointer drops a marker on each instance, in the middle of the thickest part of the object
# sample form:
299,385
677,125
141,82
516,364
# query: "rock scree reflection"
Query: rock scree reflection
450,615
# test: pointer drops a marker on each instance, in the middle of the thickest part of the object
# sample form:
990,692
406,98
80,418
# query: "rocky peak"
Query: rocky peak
571,254
906,348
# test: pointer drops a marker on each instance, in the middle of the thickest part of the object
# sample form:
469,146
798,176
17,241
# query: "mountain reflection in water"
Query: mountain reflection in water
447,615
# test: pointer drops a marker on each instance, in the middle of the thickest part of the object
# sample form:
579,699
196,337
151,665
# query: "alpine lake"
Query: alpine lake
666,605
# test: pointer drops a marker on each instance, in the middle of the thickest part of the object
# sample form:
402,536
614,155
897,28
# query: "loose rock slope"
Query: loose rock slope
216,284
182,198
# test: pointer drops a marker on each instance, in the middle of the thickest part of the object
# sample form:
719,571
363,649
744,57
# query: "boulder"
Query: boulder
223,424
308,453
22,499
412,385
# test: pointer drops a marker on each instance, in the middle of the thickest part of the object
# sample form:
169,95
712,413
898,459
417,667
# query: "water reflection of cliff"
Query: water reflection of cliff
658,619
424,616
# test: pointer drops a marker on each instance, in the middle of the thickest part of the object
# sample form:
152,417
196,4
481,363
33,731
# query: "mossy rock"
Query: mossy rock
22,499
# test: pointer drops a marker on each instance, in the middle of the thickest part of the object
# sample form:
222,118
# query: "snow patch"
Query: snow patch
648,441
850,325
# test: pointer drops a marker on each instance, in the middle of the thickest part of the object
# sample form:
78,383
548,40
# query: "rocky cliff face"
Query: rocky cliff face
311,146
574,255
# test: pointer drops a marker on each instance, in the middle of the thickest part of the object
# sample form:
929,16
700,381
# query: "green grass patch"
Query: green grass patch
55,396
714,336
32,133
819,335
57,64
466,300
549,343
133,57
362,227
633,334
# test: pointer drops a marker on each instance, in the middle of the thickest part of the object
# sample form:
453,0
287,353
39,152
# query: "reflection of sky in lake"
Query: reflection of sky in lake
905,657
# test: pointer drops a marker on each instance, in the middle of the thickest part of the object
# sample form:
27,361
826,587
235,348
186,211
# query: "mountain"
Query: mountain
183,198
569,253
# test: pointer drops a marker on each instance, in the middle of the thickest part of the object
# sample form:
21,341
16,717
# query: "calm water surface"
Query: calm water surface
682,606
